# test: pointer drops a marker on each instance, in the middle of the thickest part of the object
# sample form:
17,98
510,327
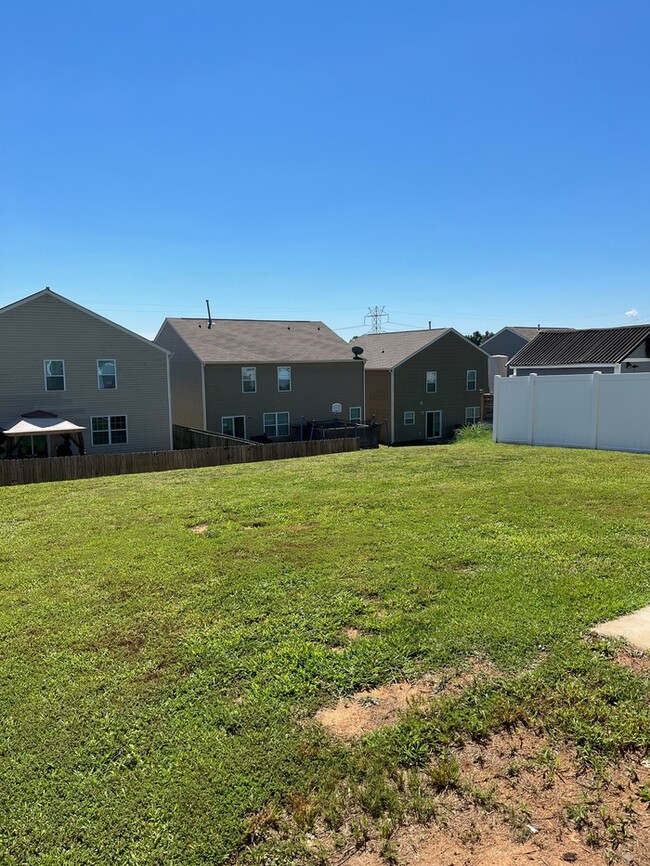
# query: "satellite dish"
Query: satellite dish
336,408
357,351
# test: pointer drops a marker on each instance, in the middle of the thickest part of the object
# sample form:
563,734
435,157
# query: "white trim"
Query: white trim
254,391
99,388
232,418
475,388
65,383
360,409
276,424
560,367
49,293
476,412
435,382
109,431
426,415
409,423
277,378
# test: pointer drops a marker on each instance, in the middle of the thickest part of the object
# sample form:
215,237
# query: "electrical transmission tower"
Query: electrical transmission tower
376,314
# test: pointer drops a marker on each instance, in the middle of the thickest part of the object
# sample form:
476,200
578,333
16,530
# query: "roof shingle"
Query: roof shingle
385,351
249,341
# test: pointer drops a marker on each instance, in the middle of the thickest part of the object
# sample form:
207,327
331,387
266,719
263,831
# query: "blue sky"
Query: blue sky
471,163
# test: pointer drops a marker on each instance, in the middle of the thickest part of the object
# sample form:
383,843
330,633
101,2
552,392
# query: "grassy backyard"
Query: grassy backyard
158,684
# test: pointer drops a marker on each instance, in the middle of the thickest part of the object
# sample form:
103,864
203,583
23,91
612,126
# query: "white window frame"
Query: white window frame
355,410
232,418
252,390
62,376
475,414
101,387
275,424
434,381
473,382
435,412
284,390
409,417
110,430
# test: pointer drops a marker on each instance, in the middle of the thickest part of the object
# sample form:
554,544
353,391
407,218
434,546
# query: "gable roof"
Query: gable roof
524,332
589,346
385,351
48,293
251,341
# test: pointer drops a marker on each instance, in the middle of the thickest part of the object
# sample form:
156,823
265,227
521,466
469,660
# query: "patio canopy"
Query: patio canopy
49,426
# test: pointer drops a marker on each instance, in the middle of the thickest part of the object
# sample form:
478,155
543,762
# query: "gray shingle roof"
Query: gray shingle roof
385,351
591,346
531,333
248,341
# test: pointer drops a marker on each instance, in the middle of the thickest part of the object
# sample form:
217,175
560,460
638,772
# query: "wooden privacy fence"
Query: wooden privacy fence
35,470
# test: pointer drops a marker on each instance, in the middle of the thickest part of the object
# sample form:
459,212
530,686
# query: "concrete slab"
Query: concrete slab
635,628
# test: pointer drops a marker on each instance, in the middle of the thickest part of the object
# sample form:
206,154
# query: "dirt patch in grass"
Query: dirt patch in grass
520,800
351,634
199,529
635,660
370,709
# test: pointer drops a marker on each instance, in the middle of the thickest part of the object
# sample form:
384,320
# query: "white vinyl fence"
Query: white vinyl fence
593,410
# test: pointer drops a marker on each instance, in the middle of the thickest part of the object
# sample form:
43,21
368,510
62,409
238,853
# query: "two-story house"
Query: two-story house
423,383
259,378
60,359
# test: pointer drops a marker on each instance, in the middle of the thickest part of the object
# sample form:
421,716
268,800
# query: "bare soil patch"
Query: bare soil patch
370,709
522,801
199,529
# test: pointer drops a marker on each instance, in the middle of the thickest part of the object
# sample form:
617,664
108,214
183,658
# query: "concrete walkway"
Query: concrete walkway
635,628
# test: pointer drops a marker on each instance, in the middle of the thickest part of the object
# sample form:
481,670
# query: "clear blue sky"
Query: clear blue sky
467,162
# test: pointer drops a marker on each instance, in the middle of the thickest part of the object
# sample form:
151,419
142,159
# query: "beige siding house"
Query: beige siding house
423,383
58,357
253,378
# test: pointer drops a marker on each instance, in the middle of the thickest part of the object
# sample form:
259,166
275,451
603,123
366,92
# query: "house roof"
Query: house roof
385,351
530,333
251,341
590,346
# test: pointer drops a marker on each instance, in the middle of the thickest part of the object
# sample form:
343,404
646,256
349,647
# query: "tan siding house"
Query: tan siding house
58,357
254,378
423,383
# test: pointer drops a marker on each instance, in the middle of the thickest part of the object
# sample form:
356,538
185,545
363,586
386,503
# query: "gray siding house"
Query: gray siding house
253,378
423,383
512,338
60,358
606,350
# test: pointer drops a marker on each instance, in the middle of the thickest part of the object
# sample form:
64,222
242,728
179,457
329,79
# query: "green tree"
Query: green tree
478,337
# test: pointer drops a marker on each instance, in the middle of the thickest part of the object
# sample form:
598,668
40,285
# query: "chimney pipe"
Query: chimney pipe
207,303
429,324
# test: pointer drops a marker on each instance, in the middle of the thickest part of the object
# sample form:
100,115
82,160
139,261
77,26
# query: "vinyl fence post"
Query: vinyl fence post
531,408
595,402
495,408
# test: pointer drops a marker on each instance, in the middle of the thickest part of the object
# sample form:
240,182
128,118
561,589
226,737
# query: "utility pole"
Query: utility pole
376,314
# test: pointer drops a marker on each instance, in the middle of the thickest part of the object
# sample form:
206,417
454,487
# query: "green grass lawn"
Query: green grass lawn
157,685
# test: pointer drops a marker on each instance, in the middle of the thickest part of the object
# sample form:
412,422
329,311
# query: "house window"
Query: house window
355,414
54,375
409,418
284,378
249,380
471,380
431,381
276,424
472,414
108,430
106,374
234,425
433,424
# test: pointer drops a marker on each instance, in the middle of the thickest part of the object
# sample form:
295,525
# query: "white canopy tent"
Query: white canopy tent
37,424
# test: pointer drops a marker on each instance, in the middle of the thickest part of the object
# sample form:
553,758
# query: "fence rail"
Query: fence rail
36,470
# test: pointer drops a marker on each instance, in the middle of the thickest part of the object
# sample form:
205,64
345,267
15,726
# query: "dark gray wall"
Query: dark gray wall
451,356
505,343
314,388
186,373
